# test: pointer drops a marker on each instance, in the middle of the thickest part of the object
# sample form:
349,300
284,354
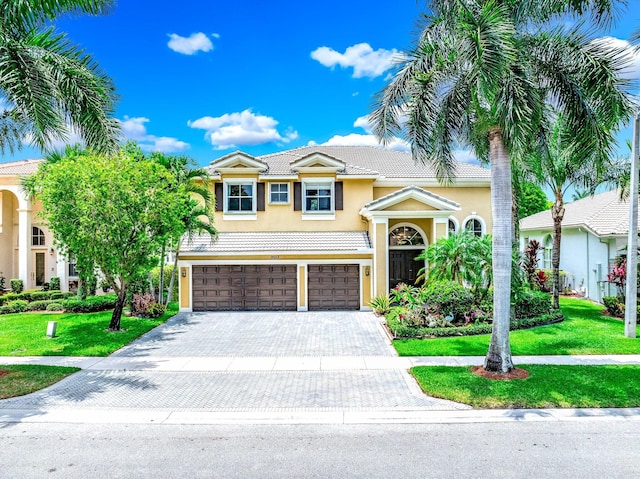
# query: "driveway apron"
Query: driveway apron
245,362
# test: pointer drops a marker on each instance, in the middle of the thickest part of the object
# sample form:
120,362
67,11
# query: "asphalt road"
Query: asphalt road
585,448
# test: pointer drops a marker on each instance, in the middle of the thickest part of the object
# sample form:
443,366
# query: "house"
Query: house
323,227
27,251
594,233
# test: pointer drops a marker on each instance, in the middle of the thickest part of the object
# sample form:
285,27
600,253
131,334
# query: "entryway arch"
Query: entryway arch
406,241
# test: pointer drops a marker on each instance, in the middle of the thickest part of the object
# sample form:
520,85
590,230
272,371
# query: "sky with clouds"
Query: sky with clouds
203,78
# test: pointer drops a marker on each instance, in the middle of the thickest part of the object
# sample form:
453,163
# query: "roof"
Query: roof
604,214
263,242
364,160
19,168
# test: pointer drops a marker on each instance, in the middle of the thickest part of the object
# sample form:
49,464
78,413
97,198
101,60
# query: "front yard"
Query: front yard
584,331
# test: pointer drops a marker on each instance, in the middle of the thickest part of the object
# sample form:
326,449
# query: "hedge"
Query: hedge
90,305
400,331
29,296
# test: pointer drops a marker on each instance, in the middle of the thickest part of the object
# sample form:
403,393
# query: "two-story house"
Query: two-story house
323,227
27,251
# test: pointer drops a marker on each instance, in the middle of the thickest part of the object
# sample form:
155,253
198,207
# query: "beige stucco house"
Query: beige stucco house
27,251
323,227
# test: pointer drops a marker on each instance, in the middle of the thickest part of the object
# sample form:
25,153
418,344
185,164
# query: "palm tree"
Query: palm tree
482,74
48,84
557,166
200,217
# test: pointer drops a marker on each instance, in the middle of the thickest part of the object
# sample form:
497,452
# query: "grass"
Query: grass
18,380
24,334
546,387
584,331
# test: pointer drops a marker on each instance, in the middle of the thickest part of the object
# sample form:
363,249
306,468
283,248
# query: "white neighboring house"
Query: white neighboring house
594,233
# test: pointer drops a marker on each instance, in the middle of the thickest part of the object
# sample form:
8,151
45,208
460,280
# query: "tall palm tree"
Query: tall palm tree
482,74
48,84
557,166
200,218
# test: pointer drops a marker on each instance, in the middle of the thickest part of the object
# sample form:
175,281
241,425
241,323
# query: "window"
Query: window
452,226
37,236
72,269
474,226
548,251
318,197
240,198
405,236
278,192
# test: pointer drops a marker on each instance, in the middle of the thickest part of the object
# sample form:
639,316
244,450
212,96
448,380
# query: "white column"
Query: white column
61,271
24,248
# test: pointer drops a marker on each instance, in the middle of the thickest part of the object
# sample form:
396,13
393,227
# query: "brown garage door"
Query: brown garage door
334,286
244,287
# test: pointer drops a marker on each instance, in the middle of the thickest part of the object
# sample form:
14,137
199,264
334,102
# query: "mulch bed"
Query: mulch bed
516,373
4,372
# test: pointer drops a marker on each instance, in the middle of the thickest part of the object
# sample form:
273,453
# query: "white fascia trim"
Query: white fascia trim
313,158
418,196
276,253
431,183
318,169
245,170
403,214
357,177
277,177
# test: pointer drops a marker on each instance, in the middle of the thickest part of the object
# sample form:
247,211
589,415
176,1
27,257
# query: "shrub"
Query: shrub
55,295
54,283
4,299
448,297
17,286
38,305
532,303
91,304
17,306
380,304
614,305
145,306
2,283
55,306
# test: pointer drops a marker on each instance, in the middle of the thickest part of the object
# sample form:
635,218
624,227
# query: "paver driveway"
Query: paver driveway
243,362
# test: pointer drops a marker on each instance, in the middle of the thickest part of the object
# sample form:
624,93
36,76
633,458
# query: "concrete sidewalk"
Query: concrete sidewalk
297,363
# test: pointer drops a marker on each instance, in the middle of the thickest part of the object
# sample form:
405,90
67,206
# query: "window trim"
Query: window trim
483,226
39,235
319,181
456,225
271,202
240,182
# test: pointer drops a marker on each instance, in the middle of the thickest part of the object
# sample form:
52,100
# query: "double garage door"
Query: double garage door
274,287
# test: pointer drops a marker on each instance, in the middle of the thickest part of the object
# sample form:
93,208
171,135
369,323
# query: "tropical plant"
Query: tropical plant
381,304
482,75
462,257
530,262
49,85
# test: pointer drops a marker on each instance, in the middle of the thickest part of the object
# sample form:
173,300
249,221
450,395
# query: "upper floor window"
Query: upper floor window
318,197
37,236
474,225
278,192
240,197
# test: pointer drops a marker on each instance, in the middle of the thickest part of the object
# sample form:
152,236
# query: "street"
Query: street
583,448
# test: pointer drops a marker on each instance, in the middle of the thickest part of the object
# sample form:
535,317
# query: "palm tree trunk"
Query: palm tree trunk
557,212
499,355
173,273
161,278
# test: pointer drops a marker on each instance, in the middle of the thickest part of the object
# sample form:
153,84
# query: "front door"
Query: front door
403,268
38,275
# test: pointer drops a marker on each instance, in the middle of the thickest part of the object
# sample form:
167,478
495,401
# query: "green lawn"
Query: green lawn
584,331
77,334
21,379
546,387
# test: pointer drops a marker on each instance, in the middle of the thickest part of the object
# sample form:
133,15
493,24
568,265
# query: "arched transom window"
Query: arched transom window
474,226
37,236
405,236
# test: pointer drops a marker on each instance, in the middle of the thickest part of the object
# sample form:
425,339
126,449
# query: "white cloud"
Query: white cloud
363,122
365,61
357,139
241,128
194,43
136,130
215,35
631,55
466,156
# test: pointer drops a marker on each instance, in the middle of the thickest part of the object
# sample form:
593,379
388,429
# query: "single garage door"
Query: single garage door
245,287
334,286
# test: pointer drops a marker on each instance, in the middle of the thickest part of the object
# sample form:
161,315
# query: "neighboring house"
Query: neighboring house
323,227
27,251
594,233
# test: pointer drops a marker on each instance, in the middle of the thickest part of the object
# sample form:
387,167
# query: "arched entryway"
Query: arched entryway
406,242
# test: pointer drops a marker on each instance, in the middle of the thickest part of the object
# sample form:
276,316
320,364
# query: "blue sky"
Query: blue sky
205,78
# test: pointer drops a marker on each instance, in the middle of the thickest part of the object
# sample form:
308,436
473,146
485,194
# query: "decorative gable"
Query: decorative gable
318,163
238,162
413,201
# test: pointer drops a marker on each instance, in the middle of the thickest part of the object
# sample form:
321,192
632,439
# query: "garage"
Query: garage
245,288
334,286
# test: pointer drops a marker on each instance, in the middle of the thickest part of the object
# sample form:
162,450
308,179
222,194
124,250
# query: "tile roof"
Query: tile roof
407,189
263,242
366,160
604,214
19,168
